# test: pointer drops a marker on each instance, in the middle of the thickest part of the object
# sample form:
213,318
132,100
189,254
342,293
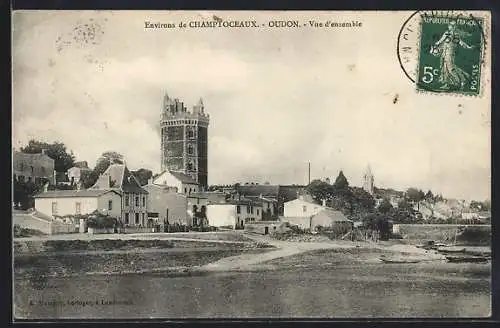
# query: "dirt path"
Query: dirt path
285,249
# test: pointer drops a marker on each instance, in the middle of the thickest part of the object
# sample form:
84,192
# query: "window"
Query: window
144,201
78,208
136,200
32,169
110,205
21,178
143,219
238,209
257,211
190,150
185,190
126,200
248,209
54,207
304,208
127,218
136,218
29,179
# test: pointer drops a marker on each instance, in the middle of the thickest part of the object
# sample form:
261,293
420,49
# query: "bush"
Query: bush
20,232
474,236
101,222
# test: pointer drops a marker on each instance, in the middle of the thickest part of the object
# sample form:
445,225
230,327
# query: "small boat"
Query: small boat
398,261
451,251
466,259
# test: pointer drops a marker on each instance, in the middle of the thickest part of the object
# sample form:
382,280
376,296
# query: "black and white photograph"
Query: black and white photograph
251,164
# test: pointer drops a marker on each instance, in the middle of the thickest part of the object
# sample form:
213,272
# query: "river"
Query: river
345,291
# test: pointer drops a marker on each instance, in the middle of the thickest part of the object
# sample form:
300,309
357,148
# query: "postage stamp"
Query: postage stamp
450,54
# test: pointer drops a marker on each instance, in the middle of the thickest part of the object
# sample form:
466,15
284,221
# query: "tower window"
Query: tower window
190,149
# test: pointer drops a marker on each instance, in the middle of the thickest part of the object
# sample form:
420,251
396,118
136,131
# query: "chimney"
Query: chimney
324,202
309,174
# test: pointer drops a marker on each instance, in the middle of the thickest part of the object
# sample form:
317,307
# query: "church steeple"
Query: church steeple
368,180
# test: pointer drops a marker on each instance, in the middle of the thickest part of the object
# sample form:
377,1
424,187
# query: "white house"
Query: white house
76,174
183,182
75,202
134,205
303,206
234,213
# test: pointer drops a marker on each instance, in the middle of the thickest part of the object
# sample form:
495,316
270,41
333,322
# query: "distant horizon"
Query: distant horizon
263,183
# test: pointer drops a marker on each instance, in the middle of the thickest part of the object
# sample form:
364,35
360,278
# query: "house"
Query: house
269,208
166,205
280,193
332,219
326,217
134,205
234,213
304,206
78,172
183,182
37,168
74,202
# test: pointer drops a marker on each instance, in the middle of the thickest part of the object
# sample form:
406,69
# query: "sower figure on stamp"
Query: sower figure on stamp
451,75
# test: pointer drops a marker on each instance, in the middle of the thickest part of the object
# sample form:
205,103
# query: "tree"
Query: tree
143,175
320,190
385,207
107,158
24,192
429,196
103,162
413,195
341,181
63,160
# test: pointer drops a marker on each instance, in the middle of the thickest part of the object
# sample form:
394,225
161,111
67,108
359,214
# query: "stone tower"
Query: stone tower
184,139
368,180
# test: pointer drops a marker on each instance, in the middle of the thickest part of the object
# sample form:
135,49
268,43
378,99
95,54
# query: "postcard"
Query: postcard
251,164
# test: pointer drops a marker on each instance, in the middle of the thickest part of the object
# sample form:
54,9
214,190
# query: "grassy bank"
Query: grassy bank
32,266
22,247
473,235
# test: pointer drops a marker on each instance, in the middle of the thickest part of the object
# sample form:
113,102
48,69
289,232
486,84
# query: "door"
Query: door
266,230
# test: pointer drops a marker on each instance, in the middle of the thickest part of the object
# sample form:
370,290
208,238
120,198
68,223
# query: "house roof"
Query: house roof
335,216
120,179
261,199
257,190
184,178
288,193
73,193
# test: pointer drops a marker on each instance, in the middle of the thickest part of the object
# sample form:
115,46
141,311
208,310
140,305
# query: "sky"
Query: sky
277,98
